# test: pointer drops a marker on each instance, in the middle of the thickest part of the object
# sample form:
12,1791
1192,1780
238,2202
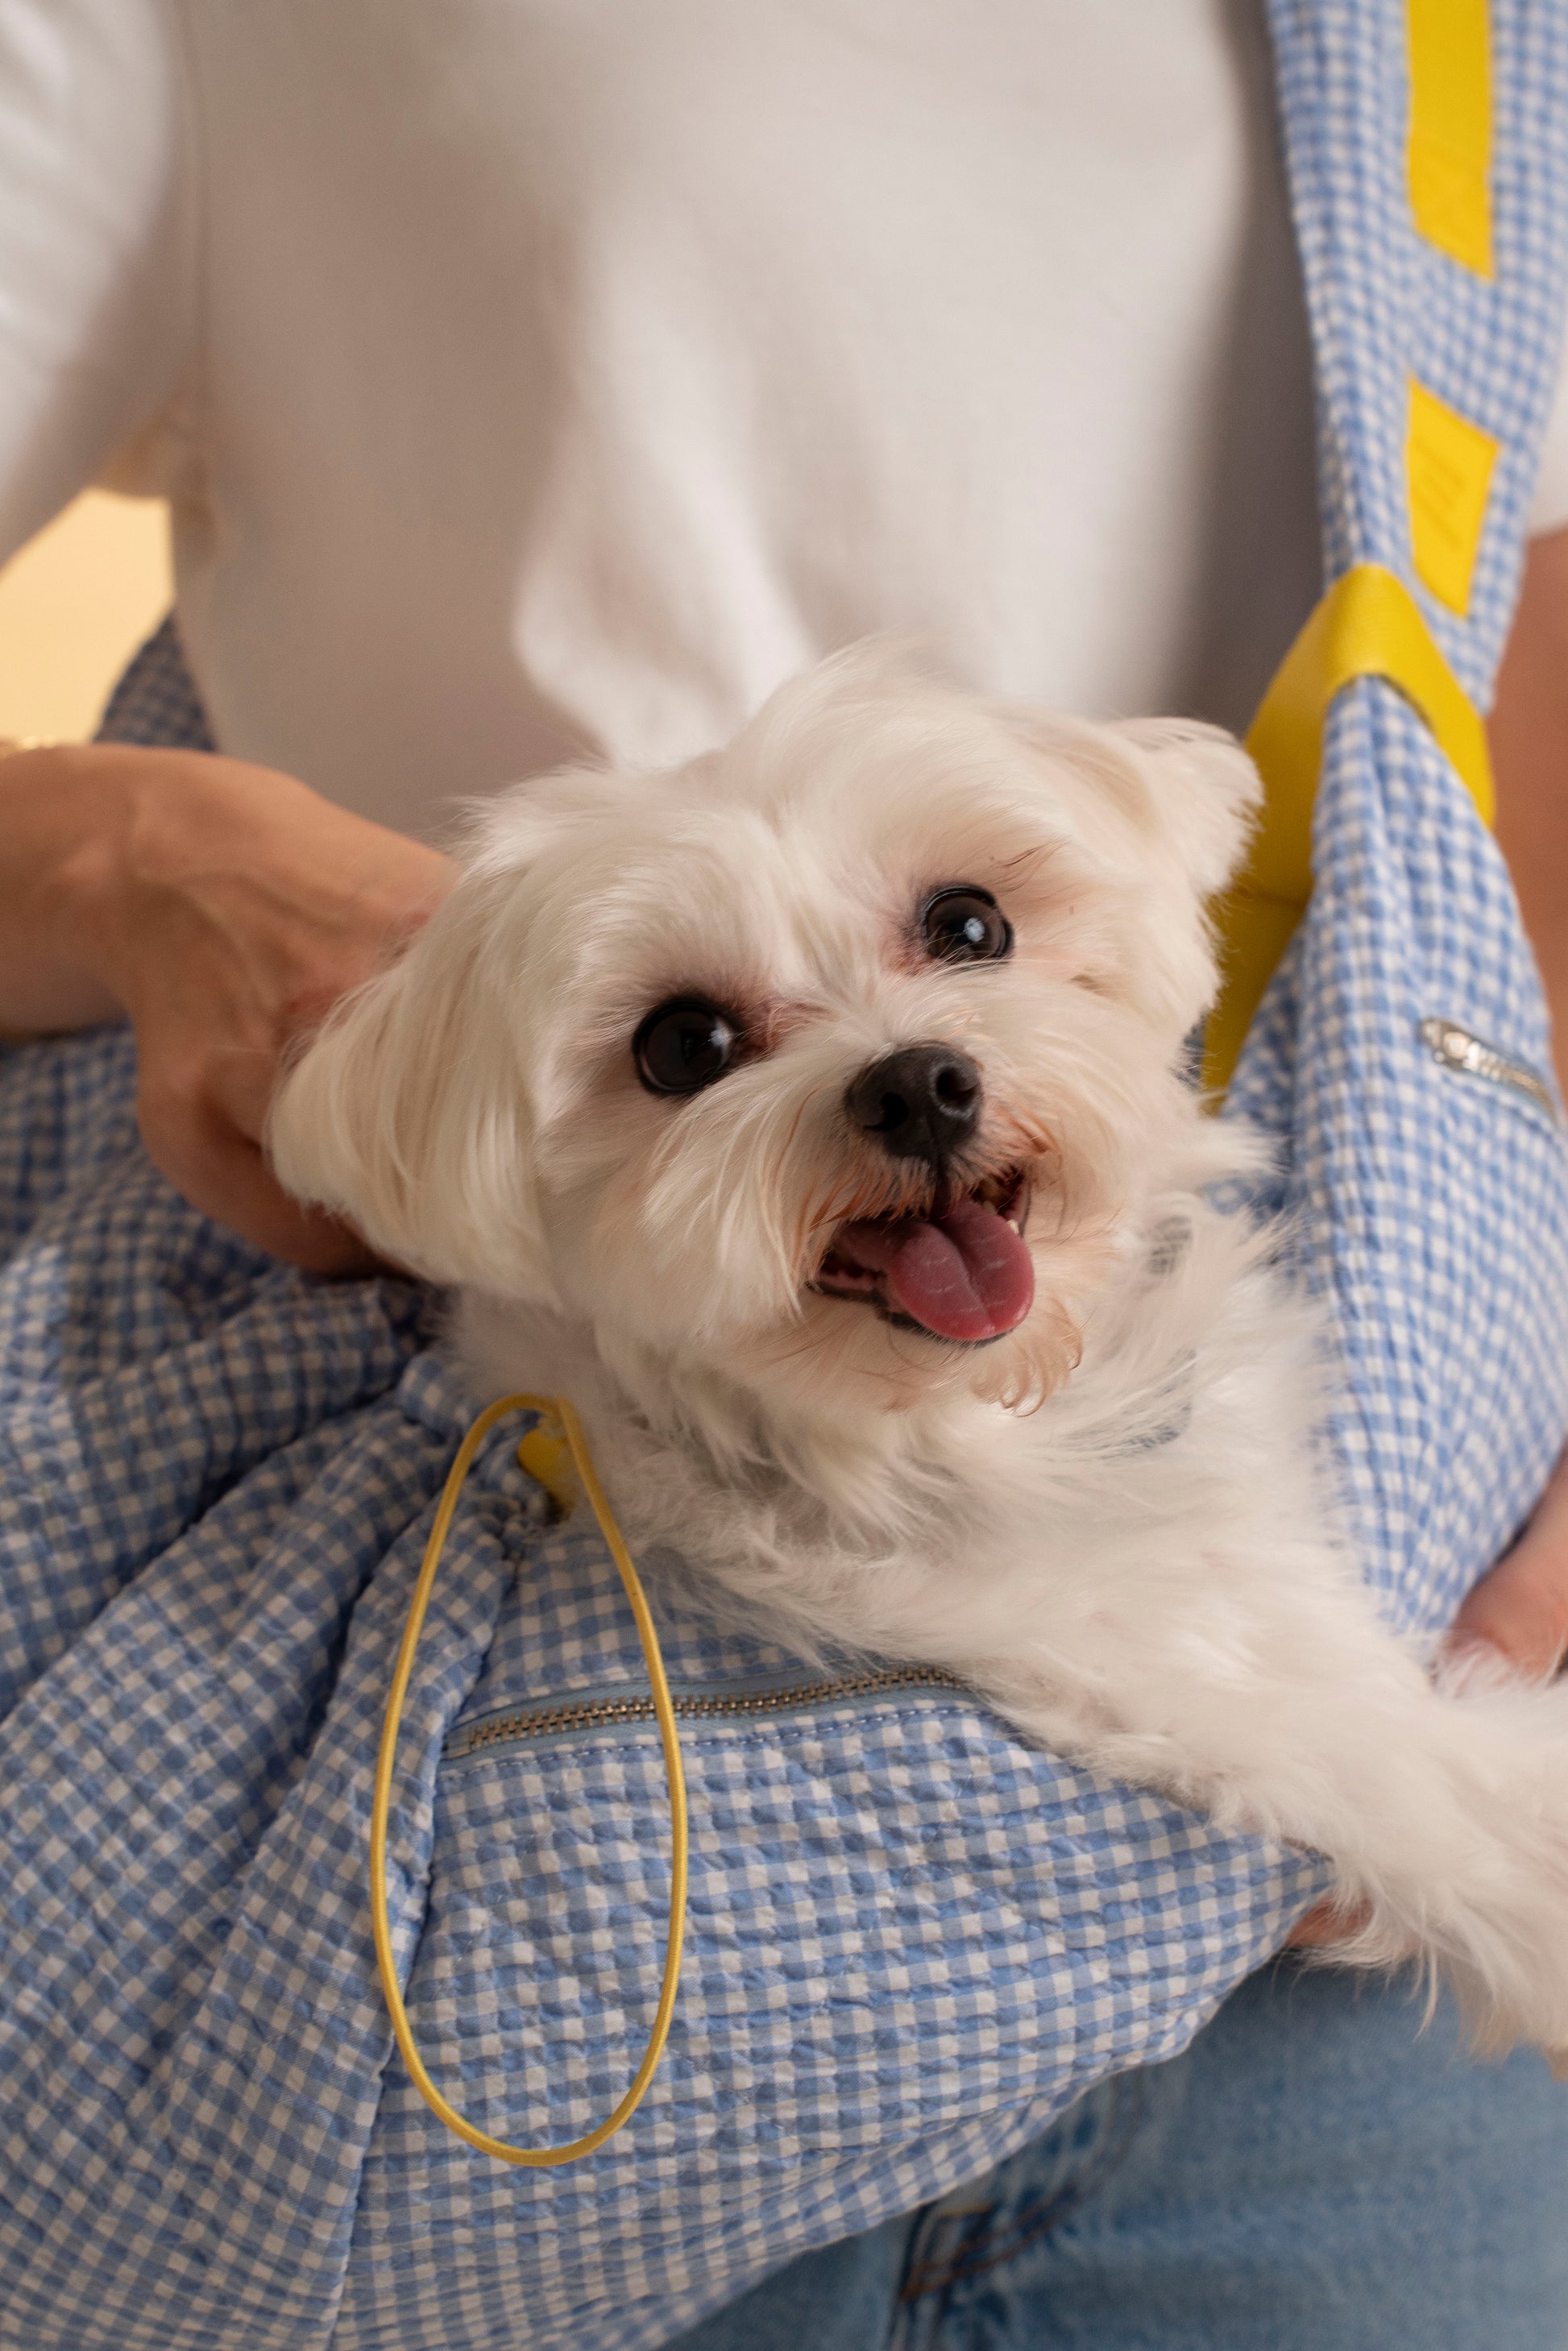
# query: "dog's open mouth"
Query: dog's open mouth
962,1272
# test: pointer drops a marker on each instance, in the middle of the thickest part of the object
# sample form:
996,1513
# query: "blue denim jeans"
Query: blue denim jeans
1315,2173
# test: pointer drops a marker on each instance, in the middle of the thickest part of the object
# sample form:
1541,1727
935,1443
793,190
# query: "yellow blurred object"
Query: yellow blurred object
74,605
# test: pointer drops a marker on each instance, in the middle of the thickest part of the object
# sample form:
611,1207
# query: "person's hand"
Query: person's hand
1518,1613
225,908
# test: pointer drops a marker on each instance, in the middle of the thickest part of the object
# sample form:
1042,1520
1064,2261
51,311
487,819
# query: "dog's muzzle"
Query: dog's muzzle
958,1267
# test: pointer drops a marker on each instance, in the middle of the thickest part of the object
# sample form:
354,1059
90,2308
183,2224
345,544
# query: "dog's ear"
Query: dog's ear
1191,793
408,1112
1201,794
1166,803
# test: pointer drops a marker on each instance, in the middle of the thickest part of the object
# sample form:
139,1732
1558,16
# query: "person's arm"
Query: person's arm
222,907
99,244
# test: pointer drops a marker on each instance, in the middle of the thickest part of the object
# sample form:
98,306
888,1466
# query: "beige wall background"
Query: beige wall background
73,604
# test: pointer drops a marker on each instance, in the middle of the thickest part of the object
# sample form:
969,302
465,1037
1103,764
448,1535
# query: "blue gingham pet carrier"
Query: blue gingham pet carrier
913,1939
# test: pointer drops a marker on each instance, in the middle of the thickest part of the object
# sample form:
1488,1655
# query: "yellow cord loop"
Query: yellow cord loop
559,1417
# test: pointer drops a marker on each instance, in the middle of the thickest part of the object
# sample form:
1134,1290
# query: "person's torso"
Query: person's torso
571,375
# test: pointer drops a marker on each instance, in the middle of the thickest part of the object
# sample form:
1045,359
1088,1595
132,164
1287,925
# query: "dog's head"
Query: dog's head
831,1063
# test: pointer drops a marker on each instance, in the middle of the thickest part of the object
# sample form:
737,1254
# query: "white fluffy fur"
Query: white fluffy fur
1107,1521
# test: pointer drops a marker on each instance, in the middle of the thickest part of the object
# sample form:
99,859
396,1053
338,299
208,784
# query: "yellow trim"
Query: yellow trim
1449,467
564,1431
1448,155
1368,625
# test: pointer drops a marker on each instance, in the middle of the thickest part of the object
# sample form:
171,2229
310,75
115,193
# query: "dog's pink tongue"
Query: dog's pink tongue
965,1275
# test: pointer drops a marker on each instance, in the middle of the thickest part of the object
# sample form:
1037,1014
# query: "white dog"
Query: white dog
813,1117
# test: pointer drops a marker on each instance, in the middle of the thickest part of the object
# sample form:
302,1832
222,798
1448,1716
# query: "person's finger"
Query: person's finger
249,1199
223,1173
1324,1923
1520,1610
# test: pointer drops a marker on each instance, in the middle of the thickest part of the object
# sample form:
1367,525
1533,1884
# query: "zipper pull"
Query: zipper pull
1454,1048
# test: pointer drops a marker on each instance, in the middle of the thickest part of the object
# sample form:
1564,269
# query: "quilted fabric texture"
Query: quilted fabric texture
910,1938
913,1940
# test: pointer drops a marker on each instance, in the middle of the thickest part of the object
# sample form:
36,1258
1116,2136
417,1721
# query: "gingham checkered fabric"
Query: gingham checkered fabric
155,702
913,1940
1434,1204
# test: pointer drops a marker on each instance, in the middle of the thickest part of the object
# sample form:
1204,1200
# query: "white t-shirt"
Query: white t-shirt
564,373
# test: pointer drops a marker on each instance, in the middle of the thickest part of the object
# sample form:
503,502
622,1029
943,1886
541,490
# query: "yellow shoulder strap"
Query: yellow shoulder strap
1368,625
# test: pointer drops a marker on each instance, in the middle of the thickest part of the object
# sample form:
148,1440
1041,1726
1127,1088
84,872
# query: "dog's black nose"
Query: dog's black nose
921,1102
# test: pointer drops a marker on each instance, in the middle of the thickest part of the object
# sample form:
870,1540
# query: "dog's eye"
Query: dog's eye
965,924
685,1045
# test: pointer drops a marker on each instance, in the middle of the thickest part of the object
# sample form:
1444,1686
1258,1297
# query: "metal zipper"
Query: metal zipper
626,1708
1457,1049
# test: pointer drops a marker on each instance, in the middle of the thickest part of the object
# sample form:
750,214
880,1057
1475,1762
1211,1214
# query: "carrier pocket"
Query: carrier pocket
617,1708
